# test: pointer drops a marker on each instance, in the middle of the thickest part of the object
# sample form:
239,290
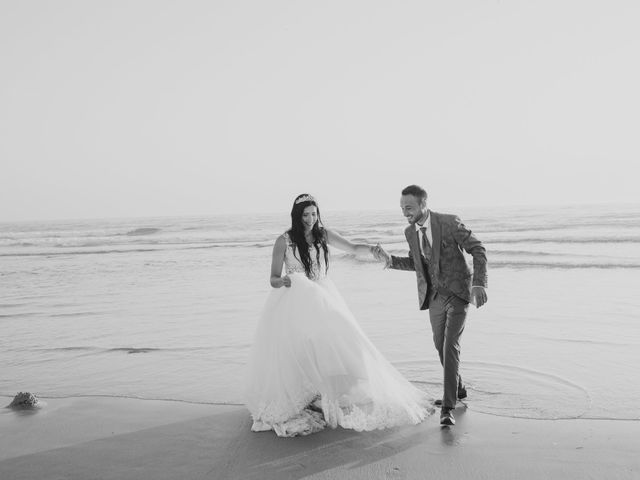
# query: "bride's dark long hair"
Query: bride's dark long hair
296,233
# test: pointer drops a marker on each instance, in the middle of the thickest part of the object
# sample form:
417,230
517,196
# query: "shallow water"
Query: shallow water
166,307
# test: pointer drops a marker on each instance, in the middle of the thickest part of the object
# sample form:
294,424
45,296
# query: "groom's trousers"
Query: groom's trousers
448,314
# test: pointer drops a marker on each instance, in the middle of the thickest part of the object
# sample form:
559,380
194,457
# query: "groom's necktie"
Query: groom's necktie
426,248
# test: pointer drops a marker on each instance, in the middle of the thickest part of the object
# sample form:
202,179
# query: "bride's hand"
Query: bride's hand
286,281
380,254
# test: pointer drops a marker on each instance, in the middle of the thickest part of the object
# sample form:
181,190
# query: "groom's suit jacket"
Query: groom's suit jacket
450,269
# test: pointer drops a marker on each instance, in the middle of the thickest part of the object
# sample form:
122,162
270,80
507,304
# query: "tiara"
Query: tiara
305,198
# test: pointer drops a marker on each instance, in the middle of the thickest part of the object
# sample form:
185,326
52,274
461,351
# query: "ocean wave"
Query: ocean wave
497,258
578,240
75,314
143,231
101,242
84,246
129,350
133,350
497,263
232,245
151,247
20,244
494,252
588,341
17,315
490,225
77,252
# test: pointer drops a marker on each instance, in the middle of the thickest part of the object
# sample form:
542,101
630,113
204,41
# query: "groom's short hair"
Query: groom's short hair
415,190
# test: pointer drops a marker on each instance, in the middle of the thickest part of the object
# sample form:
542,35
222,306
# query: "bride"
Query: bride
311,365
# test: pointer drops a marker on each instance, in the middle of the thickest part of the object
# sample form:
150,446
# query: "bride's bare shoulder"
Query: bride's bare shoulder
282,240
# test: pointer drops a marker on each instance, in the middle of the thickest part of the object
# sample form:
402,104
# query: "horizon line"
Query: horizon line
541,206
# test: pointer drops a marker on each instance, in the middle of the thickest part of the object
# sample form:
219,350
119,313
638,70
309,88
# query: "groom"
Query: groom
446,285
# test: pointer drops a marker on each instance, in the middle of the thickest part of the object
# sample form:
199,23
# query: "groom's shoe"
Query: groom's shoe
462,394
446,417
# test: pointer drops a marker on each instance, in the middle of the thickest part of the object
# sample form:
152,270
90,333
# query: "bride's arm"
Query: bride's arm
336,240
277,260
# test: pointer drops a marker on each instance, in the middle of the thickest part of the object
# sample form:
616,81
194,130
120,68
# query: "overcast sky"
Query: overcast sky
135,108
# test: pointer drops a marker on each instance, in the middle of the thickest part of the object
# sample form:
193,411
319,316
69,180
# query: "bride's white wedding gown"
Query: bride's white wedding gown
309,349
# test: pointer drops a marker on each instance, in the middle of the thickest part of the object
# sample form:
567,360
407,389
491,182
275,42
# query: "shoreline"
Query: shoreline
115,438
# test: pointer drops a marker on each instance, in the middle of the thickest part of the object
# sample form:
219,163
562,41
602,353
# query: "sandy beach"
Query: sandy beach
548,379
119,438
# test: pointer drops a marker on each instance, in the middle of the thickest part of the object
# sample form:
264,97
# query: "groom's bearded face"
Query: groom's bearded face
412,208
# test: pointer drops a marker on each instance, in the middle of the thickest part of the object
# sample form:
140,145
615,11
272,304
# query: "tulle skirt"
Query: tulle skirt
311,365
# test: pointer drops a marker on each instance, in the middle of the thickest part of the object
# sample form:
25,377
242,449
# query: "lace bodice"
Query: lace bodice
293,264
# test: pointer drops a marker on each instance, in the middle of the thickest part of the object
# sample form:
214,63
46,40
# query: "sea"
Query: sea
166,308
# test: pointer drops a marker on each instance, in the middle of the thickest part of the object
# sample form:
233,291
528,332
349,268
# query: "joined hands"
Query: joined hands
478,294
380,254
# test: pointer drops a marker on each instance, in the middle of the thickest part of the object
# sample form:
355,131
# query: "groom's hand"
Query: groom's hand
479,296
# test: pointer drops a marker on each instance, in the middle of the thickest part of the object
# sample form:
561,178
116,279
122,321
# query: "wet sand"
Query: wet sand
120,438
